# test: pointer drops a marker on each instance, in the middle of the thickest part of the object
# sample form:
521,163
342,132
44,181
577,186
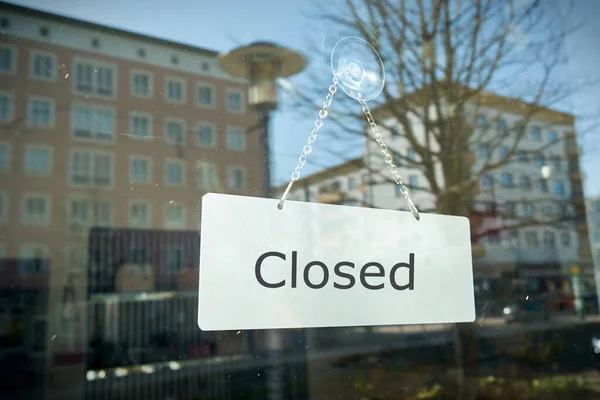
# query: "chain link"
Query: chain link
386,155
311,139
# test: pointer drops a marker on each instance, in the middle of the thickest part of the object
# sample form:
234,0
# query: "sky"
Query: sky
225,24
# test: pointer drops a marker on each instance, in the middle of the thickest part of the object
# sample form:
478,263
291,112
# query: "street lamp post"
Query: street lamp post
262,63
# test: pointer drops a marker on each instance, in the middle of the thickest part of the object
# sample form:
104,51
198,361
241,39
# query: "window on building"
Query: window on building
507,179
559,188
95,77
510,209
7,59
397,190
174,216
207,178
91,168
32,259
484,151
174,259
140,125
493,238
235,101
513,239
236,139
141,84
3,207
503,152
565,239
411,154
413,181
535,133
352,183
528,209
540,160
90,211
549,239
38,160
205,95
487,181
552,137
543,186
205,136
93,123
139,169
36,210
236,178
480,120
501,126
174,173
40,112
139,214
43,65
4,157
6,107
522,156
531,239
525,182
556,162
175,90
175,132
396,158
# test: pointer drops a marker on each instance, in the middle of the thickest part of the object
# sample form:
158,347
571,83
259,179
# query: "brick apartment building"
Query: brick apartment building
101,127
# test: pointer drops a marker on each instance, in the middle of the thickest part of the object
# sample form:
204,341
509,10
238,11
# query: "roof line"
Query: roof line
324,173
4,6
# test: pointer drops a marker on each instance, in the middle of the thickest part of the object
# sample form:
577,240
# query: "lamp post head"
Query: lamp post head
262,63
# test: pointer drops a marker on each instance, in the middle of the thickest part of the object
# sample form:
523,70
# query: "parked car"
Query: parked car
526,311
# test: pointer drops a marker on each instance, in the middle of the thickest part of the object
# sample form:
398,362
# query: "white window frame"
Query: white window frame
149,75
179,80
183,172
93,108
11,113
32,56
92,203
52,103
214,135
140,157
141,114
213,103
210,186
169,225
50,151
79,249
93,153
14,60
232,129
242,101
183,129
4,210
29,245
8,148
230,171
96,63
46,218
130,216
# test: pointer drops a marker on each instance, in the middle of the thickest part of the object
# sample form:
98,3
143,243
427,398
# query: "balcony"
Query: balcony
331,198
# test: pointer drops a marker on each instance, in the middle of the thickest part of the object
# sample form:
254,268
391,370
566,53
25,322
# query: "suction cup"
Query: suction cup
359,68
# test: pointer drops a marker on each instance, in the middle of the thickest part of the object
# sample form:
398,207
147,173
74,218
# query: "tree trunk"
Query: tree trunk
465,343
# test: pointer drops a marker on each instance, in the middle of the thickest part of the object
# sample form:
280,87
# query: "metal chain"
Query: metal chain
311,139
387,157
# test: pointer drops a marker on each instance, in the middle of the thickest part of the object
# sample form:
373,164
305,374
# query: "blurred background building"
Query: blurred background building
528,220
109,141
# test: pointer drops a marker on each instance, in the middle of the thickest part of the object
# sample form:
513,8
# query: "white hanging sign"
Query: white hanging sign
319,265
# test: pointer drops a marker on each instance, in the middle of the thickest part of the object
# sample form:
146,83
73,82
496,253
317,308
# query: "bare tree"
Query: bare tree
444,59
